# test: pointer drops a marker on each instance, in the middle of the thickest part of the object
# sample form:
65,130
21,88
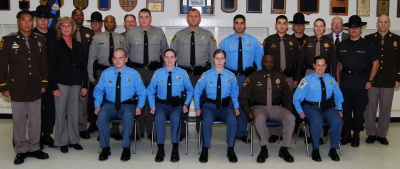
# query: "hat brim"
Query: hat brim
355,25
94,20
50,15
293,22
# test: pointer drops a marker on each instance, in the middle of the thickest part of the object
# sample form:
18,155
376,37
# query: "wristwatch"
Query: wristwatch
371,81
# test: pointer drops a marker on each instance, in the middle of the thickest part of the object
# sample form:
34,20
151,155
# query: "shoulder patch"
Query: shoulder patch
213,38
246,82
1,43
186,74
154,75
201,77
303,83
173,38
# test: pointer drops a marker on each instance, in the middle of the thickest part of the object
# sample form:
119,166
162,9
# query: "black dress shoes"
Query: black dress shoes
174,156
182,137
92,127
47,140
19,158
160,155
273,138
76,146
382,140
116,136
284,153
203,156
345,140
39,154
232,156
370,139
355,142
64,149
262,156
105,152
315,155
84,135
126,154
333,154
243,138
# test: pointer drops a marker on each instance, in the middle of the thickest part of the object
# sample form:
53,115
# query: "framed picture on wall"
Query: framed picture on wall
339,7
127,5
398,8
206,7
363,7
229,6
278,6
308,6
155,5
254,6
81,4
4,5
104,5
382,7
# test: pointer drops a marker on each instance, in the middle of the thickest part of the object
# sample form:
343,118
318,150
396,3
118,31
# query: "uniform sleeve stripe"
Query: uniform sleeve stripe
3,84
45,81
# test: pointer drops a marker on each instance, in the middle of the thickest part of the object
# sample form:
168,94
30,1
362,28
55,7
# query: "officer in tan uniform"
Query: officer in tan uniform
23,78
271,102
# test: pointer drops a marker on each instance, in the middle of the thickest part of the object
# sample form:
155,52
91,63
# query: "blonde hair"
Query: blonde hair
63,20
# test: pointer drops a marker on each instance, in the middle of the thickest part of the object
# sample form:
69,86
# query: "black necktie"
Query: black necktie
169,87
337,40
240,57
218,99
146,49
118,92
323,90
110,56
192,51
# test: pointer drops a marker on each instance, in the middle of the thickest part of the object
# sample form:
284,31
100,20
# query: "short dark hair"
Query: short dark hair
318,58
170,50
219,51
239,16
145,10
280,17
77,9
25,12
129,15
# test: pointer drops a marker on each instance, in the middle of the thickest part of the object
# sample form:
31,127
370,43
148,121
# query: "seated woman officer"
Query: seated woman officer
221,89
315,92
169,83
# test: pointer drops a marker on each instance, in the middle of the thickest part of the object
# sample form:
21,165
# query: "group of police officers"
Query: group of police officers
122,66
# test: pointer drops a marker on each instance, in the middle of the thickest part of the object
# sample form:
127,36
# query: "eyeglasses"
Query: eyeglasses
337,23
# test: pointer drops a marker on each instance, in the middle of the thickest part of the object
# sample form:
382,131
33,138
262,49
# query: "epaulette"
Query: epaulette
11,34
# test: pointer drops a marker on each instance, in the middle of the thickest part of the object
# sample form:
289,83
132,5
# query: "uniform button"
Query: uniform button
381,61
29,51
381,67
381,48
29,58
30,73
29,66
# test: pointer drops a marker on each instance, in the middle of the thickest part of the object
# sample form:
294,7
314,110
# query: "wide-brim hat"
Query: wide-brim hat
298,18
43,11
354,21
96,17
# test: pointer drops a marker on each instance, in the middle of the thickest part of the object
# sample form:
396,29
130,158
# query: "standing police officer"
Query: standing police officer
145,46
358,61
129,23
387,77
299,27
243,57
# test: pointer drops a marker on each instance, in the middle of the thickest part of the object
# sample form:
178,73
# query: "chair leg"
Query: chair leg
298,132
152,138
251,138
135,133
186,139
306,126
199,138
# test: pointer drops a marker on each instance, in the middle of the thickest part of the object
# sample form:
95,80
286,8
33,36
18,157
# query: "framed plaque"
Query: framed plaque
254,6
363,7
339,7
104,5
24,4
228,6
382,7
206,7
51,2
127,5
308,6
4,5
398,8
155,5
81,4
278,6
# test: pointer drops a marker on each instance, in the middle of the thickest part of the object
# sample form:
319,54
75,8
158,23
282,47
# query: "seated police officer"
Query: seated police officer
270,93
221,89
119,83
313,100
169,83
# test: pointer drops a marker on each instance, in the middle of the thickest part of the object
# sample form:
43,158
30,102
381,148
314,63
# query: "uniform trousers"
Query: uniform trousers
274,113
383,96
83,112
66,130
210,113
162,114
23,112
92,118
48,112
355,102
242,118
317,117
107,112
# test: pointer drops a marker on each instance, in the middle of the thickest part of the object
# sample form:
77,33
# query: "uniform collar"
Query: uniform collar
189,32
23,37
166,70
215,72
284,36
115,70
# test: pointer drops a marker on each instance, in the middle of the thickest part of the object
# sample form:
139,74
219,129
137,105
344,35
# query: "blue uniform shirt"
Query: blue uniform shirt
252,51
209,81
158,84
309,89
131,83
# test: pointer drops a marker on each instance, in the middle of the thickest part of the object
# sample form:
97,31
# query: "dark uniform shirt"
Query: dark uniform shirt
327,49
301,40
23,70
255,87
355,57
389,59
292,51
86,38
